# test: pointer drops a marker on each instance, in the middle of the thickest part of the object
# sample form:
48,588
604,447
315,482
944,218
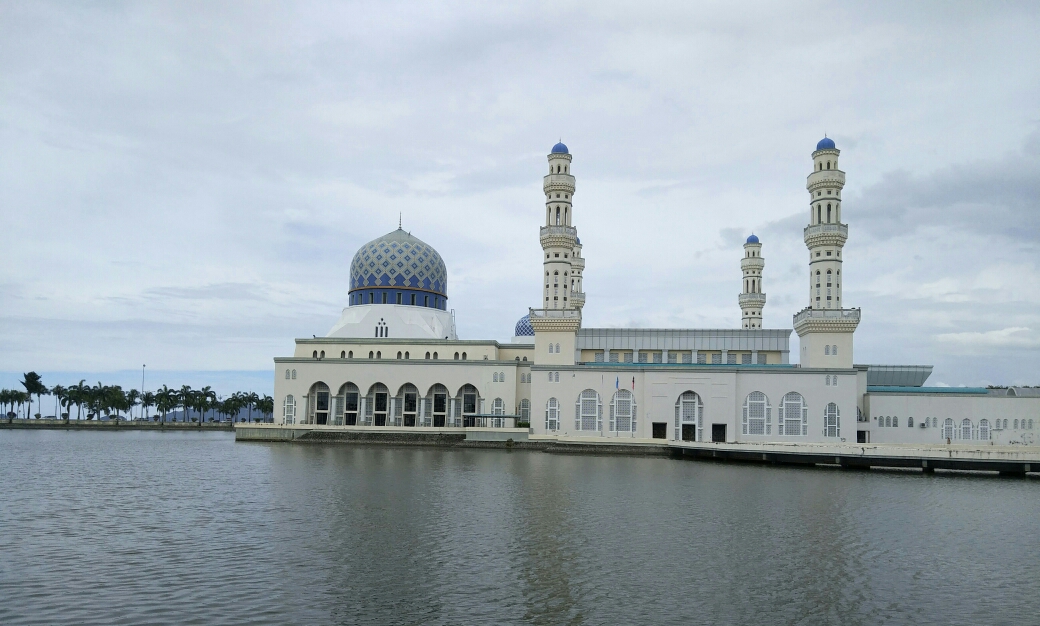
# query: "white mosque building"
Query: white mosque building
394,360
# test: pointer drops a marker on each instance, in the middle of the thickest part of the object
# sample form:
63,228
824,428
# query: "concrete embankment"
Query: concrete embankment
45,424
1006,460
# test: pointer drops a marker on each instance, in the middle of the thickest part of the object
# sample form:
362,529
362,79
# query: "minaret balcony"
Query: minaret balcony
826,320
826,234
577,299
752,262
825,178
558,236
751,300
578,263
559,182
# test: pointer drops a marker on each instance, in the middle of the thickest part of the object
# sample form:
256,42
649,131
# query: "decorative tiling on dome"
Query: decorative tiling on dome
398,259
523,327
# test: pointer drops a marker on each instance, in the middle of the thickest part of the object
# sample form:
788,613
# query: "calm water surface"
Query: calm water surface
192,528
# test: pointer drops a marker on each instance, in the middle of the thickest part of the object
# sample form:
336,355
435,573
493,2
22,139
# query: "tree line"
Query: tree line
93,401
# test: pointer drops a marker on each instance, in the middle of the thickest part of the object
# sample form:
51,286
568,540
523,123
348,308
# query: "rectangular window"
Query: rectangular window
426,301
398,297
657,357
716,358
642,357
731,358
745,358
687,357
628,357
413,299
613,357
761,358
673,357
371,297
702,358
599,357
384,297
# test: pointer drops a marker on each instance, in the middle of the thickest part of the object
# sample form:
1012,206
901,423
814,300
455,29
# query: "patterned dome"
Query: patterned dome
400,260
523,327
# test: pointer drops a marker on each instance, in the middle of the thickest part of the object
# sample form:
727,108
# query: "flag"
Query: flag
633,383
617,383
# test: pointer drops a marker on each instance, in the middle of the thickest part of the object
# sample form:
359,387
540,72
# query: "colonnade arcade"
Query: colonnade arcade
407,406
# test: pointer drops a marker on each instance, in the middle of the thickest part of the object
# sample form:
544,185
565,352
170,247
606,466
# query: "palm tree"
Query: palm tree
79,393
253,403
132,398
207,399
33,385
186,396
147,400
266,406
61,397
165,400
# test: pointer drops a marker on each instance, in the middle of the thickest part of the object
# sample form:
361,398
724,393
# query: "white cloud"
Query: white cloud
1015,338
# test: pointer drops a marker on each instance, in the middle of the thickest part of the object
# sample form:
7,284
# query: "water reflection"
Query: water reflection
110,528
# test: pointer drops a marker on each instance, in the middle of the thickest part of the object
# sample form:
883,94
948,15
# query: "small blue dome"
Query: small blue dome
825,144
560,148
752,239
523,327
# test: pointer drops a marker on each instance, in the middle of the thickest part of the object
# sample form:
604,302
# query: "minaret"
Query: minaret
752,299
824,327
559,317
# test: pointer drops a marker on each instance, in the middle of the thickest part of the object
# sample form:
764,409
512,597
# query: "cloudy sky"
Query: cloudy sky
184,184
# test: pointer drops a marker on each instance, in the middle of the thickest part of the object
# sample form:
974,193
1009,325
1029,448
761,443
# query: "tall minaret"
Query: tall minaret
557,320
824,327
752,299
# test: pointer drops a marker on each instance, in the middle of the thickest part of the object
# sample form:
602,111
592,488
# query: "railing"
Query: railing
830,314
553,180
556,313
751,298
827,228
567,231
489,421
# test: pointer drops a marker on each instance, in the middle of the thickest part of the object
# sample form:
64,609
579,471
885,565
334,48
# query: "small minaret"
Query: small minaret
557,320
753,299
825,328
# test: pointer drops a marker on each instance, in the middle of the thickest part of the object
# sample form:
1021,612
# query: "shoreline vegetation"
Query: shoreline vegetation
110,403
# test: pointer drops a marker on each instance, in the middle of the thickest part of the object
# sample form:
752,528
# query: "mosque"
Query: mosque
394,360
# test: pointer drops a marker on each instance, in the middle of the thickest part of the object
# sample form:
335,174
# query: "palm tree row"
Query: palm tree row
98,400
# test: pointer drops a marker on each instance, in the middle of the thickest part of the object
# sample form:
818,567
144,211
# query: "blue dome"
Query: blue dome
399,260
523,327
752,239
825,144
560,148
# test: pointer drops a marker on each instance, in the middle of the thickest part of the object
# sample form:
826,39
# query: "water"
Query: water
192,528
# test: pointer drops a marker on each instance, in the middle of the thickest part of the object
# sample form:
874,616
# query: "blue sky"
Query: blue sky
184,184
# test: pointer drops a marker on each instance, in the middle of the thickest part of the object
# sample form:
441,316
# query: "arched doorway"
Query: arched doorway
407,406
689,417
348,403
378,405
469,402
318,404
436,406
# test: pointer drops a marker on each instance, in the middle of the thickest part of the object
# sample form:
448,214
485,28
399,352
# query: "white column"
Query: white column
450,419
361,412
393,414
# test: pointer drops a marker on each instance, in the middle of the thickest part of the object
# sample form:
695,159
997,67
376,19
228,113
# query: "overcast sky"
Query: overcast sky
184,184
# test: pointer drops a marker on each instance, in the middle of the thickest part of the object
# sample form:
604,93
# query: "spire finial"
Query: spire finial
399,220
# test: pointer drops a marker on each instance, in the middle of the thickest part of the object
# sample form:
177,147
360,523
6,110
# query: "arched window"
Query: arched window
984,429
294,374
1005,423
318,404
1030,424
557,379
406,355
834,352
623,412
289,410
888,421
371,354
398,354
828,213
817,278
552,415
557,348
756,414
793,415
689,417
831,421
456,356
910,422
286,374
588,411
322,355
550,376
347,405
315,355
525,410
502,377
463,356
427,355
434,356
379,354
829,275
525,358
947,431
966,429
550,348
498,407
494,377
895,421
827,350
828,165
343,354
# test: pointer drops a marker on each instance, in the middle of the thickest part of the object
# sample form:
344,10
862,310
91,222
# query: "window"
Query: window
793,416
731,358
673,357
947,431
550,376
745,358
831,421
716,358
827,350
434,355
623,412
343,354
588,411
702,358
557,348
318,404
294,374
761,358
427,355
498,407
834,350
347,404
501,377
689,417
828,379
599,357
834,381
984,429
289,410
687,357
657,357
551,348
413,299
642,357
756,414
557,379
315,355
286,374
613,357
525,410
895,421
494,377
910,422
399,297
552,415
463,356
406,355
628,357
966,429
456,356
398,354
